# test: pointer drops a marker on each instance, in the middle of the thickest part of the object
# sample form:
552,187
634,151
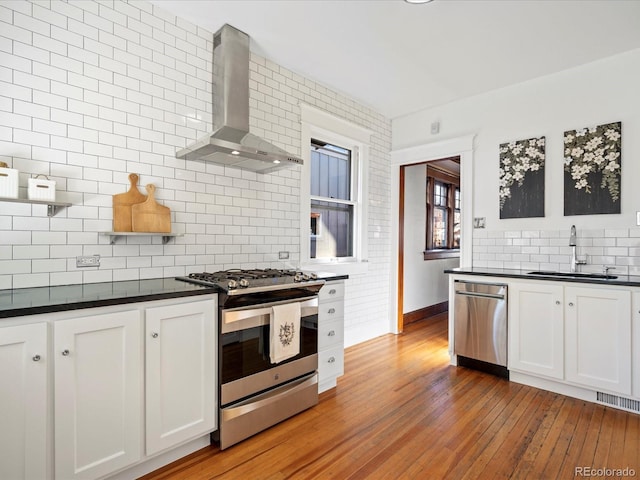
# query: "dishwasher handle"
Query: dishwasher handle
497,296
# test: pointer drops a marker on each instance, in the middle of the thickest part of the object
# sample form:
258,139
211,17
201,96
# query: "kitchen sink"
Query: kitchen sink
574,275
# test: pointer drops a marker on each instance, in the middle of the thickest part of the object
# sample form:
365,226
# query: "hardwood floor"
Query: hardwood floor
401,412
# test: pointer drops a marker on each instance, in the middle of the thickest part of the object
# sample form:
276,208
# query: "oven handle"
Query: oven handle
308,306
242,408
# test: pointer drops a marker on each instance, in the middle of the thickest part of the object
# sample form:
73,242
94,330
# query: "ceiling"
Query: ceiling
399,58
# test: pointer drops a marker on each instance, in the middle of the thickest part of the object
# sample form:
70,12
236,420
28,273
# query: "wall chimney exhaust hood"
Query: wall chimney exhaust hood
231,144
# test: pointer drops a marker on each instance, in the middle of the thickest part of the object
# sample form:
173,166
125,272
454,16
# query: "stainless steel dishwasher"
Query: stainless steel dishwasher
480,320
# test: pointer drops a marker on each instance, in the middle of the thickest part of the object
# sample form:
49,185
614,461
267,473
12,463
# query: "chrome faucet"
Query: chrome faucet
573,267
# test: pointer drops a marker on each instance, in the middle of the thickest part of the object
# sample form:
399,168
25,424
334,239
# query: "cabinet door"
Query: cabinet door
536,330
635,344
23,402
598,338
181,387
98,364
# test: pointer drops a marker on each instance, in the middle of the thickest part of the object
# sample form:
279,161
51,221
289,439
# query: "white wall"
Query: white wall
92,91
425,282
593,94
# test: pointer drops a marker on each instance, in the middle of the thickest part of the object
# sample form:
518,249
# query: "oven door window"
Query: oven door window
246,352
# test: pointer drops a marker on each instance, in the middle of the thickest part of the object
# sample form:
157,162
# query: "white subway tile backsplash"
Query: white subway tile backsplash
118,87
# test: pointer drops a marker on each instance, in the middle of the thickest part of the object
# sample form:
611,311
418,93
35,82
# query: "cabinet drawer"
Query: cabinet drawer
330,311
331,291
330,334
331,363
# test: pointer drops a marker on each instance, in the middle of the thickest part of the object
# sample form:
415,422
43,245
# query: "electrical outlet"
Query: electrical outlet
283,255
88,261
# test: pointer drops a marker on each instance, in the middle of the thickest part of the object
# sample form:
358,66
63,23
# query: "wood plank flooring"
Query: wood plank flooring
401,412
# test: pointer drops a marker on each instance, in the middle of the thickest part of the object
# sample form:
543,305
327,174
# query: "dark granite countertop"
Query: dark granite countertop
613,279
33,301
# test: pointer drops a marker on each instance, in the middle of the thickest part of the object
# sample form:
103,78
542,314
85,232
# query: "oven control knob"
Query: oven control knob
232,284
298,277
244,283
313,276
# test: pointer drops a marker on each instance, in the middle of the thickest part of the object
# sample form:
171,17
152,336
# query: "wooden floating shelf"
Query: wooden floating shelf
52,207
165,236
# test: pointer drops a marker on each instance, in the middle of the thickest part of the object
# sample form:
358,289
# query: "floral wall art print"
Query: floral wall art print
522,178
592,169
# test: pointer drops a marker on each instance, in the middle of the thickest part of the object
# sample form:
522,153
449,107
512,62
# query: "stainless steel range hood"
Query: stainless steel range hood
231,143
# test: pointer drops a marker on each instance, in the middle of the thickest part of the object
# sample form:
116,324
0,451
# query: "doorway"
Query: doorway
461,147
429,236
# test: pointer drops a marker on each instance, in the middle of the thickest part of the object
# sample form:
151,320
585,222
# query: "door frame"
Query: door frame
460,146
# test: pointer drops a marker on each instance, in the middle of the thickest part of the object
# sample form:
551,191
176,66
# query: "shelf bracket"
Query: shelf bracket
52,210
165,239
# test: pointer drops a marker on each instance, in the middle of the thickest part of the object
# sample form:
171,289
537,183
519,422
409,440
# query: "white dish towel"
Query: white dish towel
285,332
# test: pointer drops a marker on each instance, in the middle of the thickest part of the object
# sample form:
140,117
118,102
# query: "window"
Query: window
443,213
332,207
333,226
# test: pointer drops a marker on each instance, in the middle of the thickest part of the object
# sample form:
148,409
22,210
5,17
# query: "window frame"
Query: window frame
321,125
452,181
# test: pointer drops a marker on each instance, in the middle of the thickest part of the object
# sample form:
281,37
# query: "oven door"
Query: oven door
245,367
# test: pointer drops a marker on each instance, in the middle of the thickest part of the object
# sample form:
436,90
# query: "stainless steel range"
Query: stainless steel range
256,392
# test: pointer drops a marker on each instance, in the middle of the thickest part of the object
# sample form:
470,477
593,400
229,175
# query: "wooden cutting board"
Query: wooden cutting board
122,203
150,216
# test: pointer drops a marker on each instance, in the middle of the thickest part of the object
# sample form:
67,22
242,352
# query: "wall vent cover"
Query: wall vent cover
620,402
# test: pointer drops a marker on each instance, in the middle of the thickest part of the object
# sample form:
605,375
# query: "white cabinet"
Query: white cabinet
598,338
97,393
536,330
180,360
635,343
330,334
23,402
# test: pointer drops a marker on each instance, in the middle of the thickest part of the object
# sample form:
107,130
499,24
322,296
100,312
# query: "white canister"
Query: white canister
8,181
41,189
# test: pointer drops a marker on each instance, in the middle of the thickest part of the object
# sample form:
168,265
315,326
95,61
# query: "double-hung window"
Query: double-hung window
333,209
443,214
332,206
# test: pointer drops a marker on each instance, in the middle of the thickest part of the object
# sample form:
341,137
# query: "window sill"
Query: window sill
437,254
344,268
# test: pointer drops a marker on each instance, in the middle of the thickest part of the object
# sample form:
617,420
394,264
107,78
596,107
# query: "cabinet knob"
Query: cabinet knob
331,311
154,335
332,333
331,360
571,304
332,291
65,353
557,302
36,358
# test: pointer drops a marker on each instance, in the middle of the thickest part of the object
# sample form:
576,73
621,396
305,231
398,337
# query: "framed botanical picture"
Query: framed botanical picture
521,178
592,169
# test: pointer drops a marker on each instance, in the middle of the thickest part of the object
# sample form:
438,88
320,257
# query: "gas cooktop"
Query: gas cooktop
237,281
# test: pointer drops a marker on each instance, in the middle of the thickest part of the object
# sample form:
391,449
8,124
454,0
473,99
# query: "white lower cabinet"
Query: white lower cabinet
635,344
23,402
536,332
580,335
180,365
598,338
97,394
330,334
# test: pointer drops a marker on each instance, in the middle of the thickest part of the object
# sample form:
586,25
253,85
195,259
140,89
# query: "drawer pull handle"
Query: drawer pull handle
332,291
154,335
65,353
331,311
332,333
36,358
331,360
